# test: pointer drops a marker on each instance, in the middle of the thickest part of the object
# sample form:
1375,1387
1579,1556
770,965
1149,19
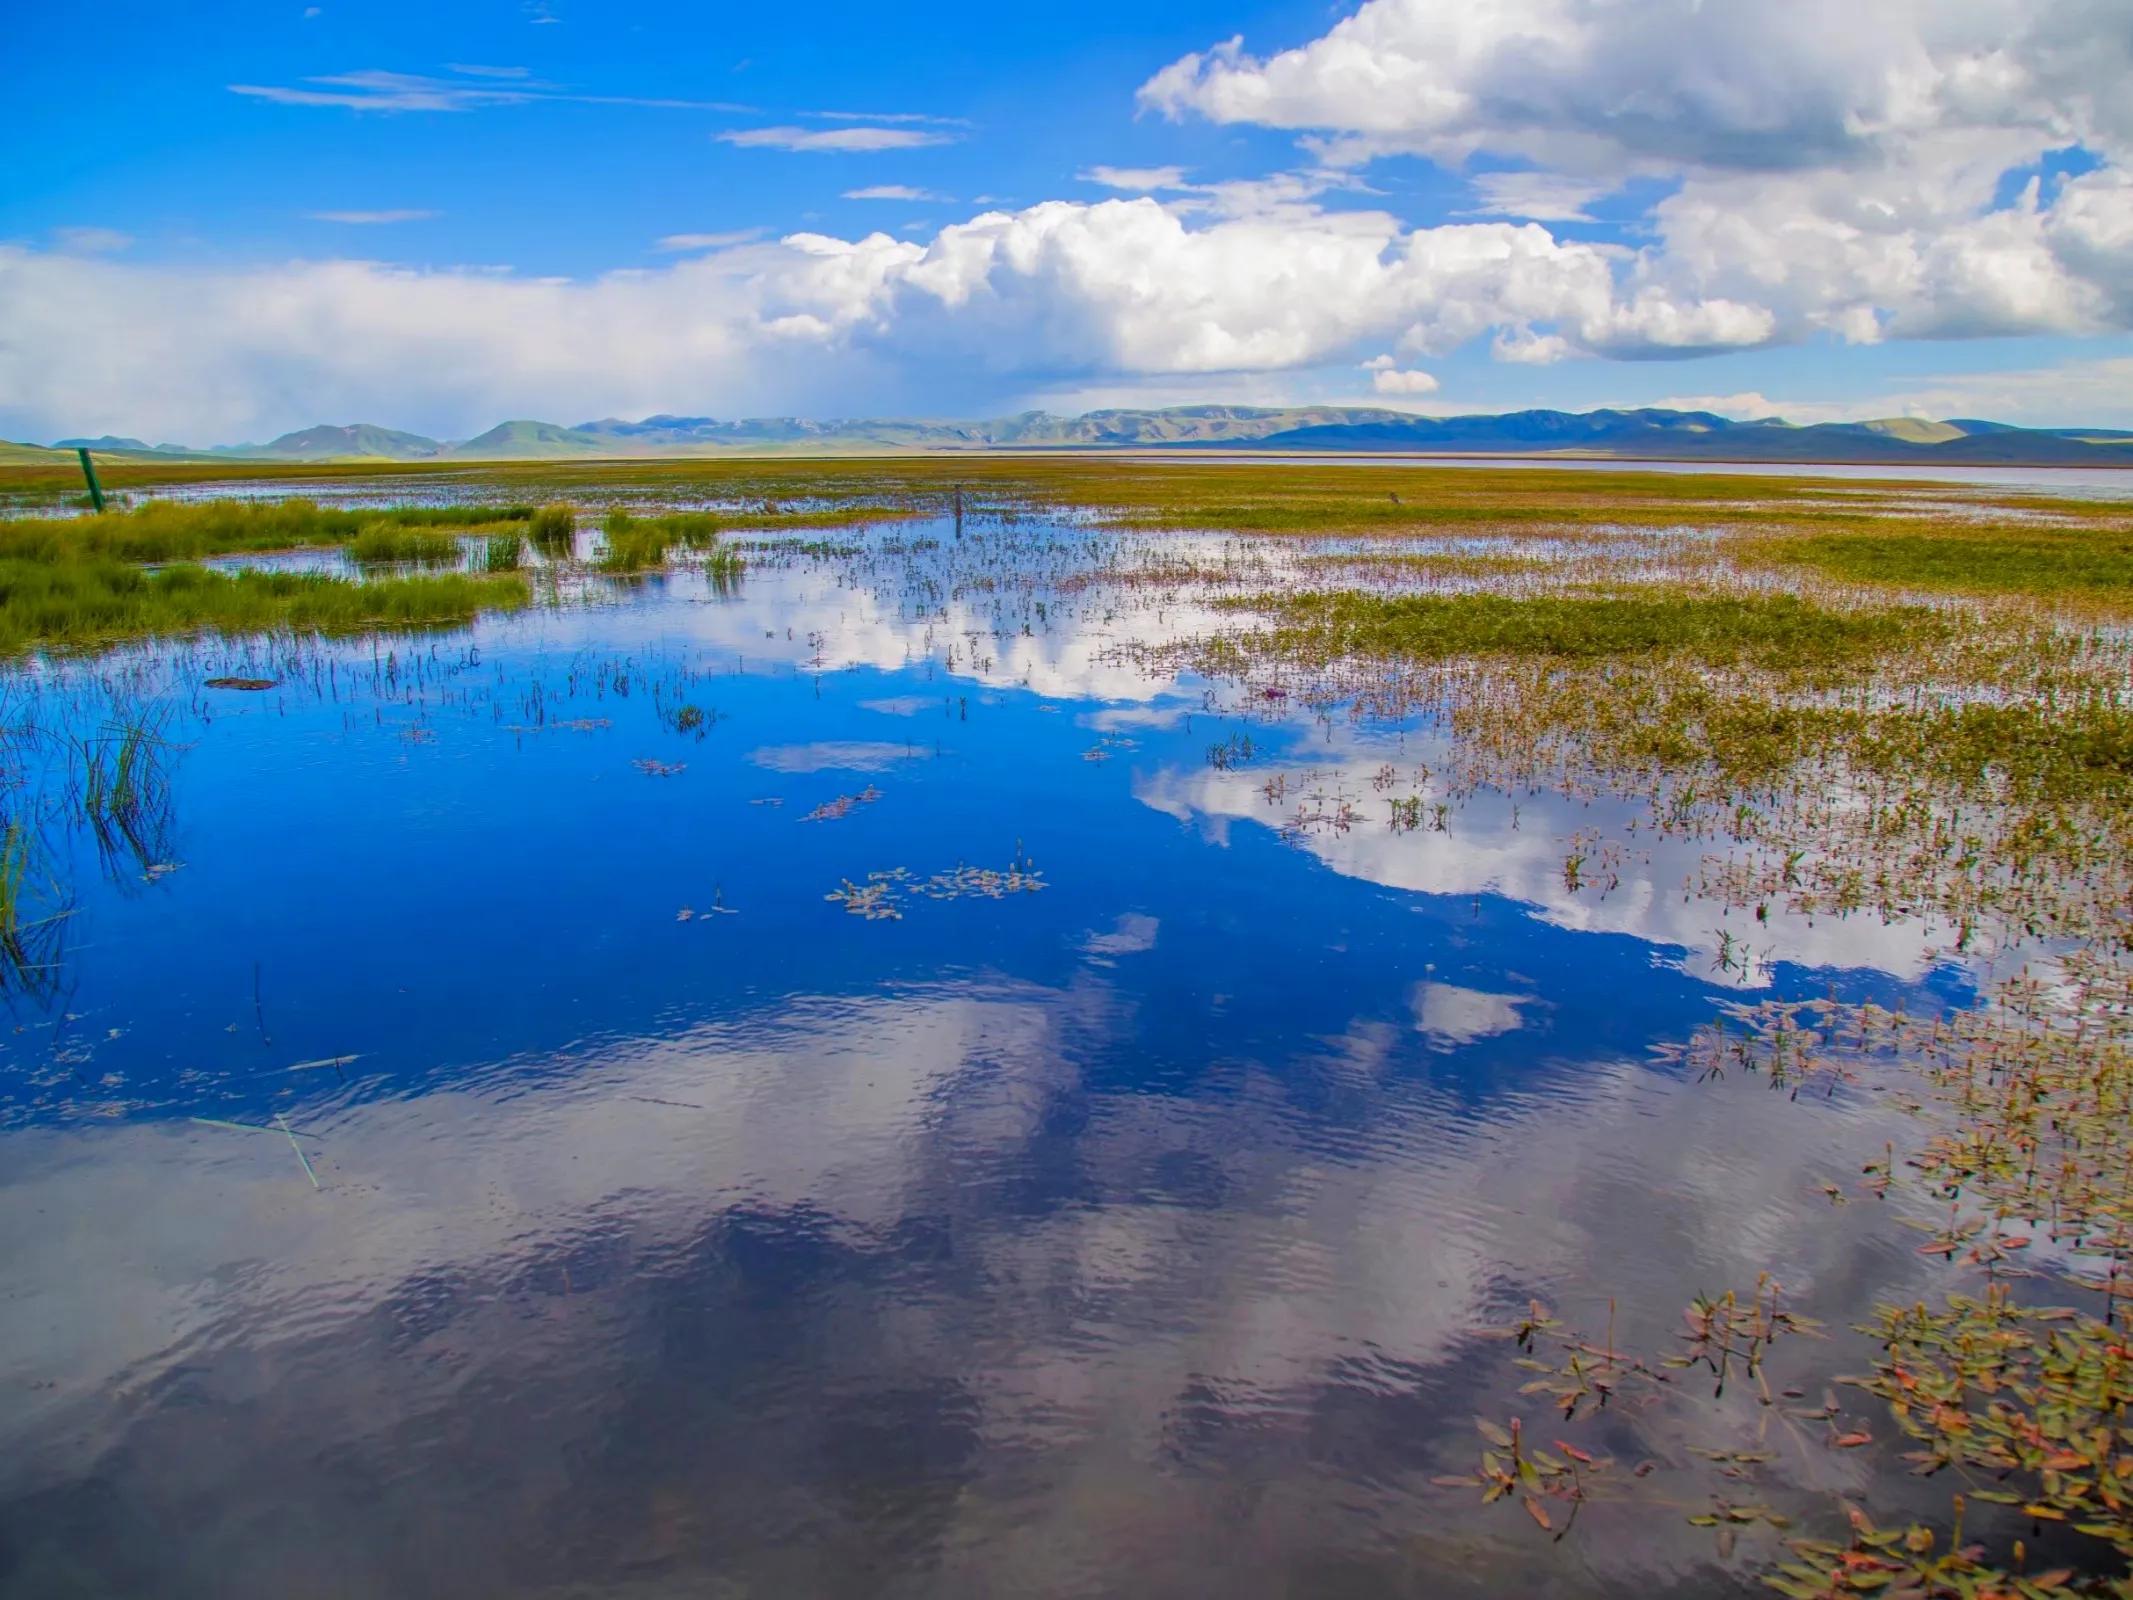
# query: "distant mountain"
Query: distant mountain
1629,435
109,441
353,441
1702,435
508,440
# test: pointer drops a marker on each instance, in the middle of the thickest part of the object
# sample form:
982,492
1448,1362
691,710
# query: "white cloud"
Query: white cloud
1137,180
921,117
891,191
1046,295
1839,163
1616,87
692,243
1538,196
476,88
1412,381
832,140
368,218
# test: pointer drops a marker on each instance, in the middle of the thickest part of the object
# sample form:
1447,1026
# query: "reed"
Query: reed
553,529
383,542
171,530
80,604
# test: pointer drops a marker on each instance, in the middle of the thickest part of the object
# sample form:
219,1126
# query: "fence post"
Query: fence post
88,470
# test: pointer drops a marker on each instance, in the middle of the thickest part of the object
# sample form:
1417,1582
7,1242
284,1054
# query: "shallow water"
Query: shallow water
663,1228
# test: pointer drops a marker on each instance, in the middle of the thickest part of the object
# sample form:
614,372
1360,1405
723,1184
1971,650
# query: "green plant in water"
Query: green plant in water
174,530
382,542
642,544
553,529
89,603
29,945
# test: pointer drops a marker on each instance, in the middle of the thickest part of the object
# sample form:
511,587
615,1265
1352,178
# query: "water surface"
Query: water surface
665,1228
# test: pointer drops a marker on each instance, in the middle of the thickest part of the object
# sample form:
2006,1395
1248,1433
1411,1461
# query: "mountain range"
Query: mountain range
1624,435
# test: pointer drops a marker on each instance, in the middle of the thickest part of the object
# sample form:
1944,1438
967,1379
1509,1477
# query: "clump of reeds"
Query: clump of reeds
385,542
173,530
553,529
503,552
85,603
29,944
642,544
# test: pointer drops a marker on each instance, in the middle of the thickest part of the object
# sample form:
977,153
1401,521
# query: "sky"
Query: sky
224,221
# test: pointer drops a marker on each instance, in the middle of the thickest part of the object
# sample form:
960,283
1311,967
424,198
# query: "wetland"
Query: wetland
1065,1026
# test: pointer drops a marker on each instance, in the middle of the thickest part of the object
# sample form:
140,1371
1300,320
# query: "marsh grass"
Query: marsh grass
29,944
553,530
643,544
171,530
384,543
124,792
2094,561
1776,629
503,552
82,604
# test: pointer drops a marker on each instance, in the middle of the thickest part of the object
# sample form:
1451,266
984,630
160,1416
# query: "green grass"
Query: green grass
642,544
385,542
503,552
1773,630
171,530
2094,561
85,603
553,529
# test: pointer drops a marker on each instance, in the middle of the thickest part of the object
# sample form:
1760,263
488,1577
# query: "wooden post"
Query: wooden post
88,470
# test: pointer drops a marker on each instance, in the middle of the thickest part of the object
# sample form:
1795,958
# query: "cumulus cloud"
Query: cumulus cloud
1387,377
1617,87
1051,293
1839,166
1411,381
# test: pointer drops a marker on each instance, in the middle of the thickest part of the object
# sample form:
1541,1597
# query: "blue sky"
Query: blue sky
236,219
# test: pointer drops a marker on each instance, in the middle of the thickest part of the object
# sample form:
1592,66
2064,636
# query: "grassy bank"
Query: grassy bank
82,582
82,604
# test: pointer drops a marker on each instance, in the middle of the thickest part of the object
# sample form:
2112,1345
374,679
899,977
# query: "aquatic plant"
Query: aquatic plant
387,542
642,544
553,529
175,530
124,792
29,944
86,603
1779,629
